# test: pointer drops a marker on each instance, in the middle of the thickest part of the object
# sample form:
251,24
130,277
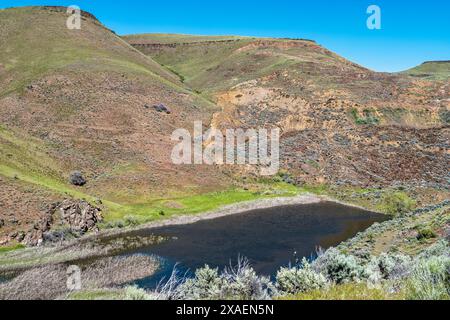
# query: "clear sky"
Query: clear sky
412,31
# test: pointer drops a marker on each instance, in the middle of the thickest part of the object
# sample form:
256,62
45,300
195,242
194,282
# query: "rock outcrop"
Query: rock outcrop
75,217
80,216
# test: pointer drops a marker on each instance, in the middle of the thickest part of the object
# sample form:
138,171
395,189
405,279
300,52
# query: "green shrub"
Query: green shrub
206,285
337,267
291,281
368,119
135,293
131,221
239,283
242,283
425,234
398,203
440,248
388,266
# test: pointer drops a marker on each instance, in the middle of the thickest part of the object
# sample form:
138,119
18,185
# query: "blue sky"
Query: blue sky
412,31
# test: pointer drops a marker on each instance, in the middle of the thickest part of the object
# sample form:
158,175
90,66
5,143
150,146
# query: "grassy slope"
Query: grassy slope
30,53
433,70
26,160
216,65
34,41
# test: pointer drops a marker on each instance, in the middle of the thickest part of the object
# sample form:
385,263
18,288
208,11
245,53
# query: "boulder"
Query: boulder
161,108
77,179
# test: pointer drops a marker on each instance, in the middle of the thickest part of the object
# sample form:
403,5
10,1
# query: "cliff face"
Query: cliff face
342,124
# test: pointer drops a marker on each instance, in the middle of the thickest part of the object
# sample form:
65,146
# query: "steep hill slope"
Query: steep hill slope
432,70
82,100
342,124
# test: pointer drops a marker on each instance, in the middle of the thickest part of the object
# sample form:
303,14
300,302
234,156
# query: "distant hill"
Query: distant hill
433,70
342,123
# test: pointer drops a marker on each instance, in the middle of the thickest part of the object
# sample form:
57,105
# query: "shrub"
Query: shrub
368,119
398,203
239,283
430,280
205,286
135,293
131,221
242,283
388,266
425,234
338,267
440,248
299,280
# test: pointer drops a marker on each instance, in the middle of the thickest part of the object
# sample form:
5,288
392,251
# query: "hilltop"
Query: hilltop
432,70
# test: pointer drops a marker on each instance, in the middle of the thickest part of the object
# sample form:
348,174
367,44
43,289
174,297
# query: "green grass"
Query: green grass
320,189
367,119
352,291
25,159
27,56
10,248
433,70
194,204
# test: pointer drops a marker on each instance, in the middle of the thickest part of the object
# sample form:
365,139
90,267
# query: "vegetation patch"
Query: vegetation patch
368,118
10,248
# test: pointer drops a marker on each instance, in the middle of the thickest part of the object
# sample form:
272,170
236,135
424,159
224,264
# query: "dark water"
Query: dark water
267,237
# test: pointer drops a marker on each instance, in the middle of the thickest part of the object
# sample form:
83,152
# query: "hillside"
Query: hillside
432,70
82,100
342,124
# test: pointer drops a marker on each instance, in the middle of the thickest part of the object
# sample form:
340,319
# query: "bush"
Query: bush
242,283
398,203
430,280
338,267
440,248
299,280
425,234
134,293
239,283
131,221
206,285
388,266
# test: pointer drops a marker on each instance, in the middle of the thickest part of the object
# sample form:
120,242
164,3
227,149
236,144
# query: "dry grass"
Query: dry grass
49,282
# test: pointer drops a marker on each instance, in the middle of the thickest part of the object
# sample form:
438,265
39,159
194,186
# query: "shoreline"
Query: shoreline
228,210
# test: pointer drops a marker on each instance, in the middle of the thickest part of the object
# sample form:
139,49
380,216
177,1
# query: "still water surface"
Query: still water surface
269,238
